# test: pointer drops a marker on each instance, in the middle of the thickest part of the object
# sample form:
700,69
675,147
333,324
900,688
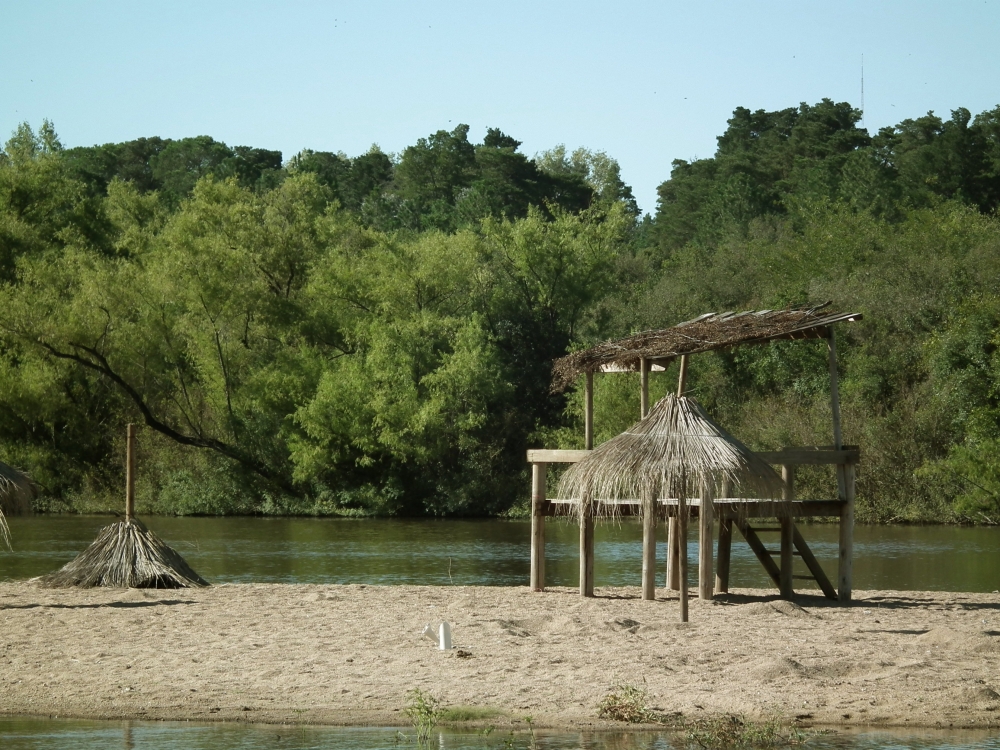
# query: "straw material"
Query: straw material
669,453
126,555
706,333
17,490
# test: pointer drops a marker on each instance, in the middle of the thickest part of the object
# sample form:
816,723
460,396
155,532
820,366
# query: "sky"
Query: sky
645,82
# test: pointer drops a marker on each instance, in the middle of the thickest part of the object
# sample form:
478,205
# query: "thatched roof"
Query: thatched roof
706,333
671,451
17,490
126,555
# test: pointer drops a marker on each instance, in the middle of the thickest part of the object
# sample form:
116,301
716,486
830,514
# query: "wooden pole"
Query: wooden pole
725,545
130,473
673,569
586,547
706,516
538,472
644,390
725,550
831,343
846,535
682,559
588,413
787,533
649,546
682,375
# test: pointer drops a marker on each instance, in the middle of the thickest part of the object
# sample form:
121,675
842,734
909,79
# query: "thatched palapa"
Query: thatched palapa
706,333
126,555
669,453
17,490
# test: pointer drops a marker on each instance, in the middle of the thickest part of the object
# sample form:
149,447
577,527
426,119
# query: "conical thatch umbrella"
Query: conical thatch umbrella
677,450
17,490
126,554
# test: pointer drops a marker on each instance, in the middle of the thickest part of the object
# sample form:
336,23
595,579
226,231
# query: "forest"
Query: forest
373,335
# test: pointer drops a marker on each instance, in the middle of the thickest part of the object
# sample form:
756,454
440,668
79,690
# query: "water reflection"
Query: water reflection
495,552
49,734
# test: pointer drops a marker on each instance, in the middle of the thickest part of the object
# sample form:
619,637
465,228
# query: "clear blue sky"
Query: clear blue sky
647,82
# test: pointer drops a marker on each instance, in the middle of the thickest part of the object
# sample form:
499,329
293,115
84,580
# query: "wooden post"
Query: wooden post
538,472
673,563
725,544
682,558
706,516
586,547
787,533
644,390
649,546
725,549
130,473
588,414
682,375
831,343
844,569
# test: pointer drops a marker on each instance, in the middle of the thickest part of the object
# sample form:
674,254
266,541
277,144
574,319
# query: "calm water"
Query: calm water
52,734
495,553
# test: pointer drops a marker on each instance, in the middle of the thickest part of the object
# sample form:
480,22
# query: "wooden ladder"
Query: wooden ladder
766,556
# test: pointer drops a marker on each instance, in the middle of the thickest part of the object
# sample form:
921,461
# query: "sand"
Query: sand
349,654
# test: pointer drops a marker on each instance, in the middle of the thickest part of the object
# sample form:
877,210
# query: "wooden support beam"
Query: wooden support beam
682,557
644,388
586,548
814,567
673,563
682,376
787,534
758,549
810,456
845,565
834,388
130,472
706,576
588,414
649,547
542,456
725,551
538,509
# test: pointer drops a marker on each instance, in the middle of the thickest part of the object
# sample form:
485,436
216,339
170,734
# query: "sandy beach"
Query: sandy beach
349,654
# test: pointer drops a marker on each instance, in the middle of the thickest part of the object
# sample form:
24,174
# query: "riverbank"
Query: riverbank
321,654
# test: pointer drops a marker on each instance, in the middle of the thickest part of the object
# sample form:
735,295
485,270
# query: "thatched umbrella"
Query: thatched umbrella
126,554
17,490
676,450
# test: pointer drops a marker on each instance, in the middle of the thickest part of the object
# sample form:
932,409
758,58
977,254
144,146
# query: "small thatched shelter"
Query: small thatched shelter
126,554
674,453
17,490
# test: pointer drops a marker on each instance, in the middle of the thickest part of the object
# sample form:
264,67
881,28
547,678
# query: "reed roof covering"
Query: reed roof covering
17,490
705,333
671,451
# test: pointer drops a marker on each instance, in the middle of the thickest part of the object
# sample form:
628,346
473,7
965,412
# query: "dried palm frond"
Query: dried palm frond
126,555
17,490
705,333
669,453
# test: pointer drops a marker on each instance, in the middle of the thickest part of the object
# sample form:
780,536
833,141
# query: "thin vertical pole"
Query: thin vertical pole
644,391
682,375
846,564
682,560
130,473
706,516
787,533
649,546
673,571
538,471
586,547
724,554
588,415
831,343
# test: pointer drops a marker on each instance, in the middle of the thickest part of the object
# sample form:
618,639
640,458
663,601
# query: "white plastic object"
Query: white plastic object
444,636
429,632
